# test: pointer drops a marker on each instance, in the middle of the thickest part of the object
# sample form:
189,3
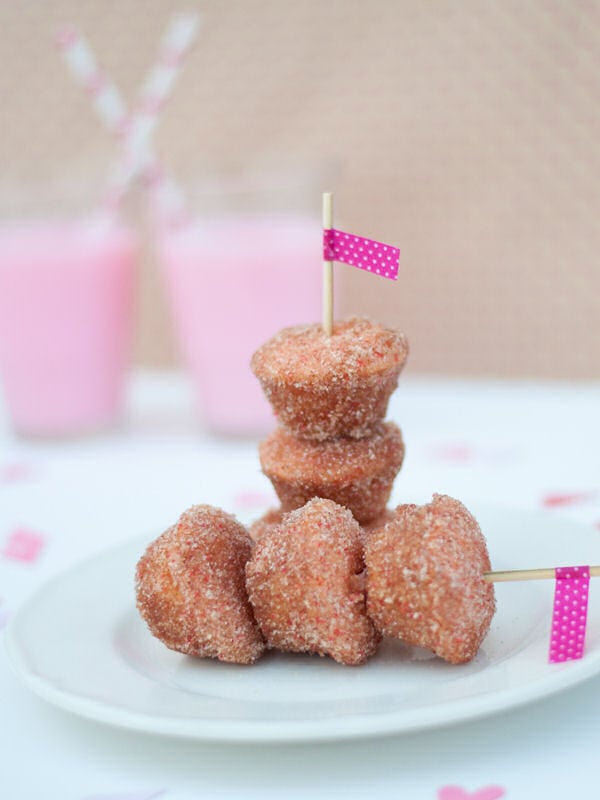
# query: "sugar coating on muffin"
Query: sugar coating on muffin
380,521
324,386
305,581
190,588
356,473
272,516
425,582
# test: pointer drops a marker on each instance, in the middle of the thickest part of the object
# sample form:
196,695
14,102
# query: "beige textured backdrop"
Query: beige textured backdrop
465,131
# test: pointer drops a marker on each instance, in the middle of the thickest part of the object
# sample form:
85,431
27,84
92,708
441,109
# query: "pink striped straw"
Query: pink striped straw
106,98
138,157
135,129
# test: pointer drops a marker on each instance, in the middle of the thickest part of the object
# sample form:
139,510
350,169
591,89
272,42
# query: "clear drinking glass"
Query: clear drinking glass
66,303
245,265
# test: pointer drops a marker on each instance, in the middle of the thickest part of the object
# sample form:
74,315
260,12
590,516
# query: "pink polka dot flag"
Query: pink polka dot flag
376,257
569,615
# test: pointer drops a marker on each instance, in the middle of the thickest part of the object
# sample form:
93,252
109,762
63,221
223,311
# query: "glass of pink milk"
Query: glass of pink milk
234,279
66,296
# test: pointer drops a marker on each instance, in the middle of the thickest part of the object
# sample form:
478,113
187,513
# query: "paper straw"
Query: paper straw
138,158
106,98
135,130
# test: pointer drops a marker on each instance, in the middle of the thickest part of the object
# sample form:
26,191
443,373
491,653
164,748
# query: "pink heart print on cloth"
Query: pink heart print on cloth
458,793
3,615
569,615
120,796
376,257
23,545
559,499
15,471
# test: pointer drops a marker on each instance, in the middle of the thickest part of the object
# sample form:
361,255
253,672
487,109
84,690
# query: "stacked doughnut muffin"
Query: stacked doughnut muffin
332,462
330,395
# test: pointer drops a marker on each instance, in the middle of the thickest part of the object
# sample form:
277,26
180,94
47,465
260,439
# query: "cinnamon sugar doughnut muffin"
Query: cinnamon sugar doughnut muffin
324,386
382,519
305,581
425,581
355,473
275,515
271,517
190,588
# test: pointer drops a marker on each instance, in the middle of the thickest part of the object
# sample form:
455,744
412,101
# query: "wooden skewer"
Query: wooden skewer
327,268
528,574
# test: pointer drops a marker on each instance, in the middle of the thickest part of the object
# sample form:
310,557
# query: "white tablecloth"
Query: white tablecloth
531,446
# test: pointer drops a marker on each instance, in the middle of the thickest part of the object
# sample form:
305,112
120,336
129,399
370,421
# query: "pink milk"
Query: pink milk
66,294
233,282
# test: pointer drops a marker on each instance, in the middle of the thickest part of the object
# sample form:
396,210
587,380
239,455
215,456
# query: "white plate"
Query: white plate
80,644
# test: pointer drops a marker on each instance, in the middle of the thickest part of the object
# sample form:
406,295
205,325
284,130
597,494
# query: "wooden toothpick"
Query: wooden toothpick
327,268
528,574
